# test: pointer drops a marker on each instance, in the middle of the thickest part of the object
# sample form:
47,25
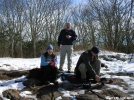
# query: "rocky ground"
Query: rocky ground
51,92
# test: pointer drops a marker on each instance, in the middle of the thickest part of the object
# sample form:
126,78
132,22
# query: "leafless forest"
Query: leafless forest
27,26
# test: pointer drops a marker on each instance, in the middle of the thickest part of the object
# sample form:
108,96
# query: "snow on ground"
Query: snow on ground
114,66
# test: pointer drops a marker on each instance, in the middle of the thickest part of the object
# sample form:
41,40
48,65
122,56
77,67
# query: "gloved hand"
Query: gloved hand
105,66
97,78
52,63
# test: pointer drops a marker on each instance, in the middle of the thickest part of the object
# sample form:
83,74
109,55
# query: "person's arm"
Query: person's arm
88,65
56,61
103,65
74,37
43,61
90,69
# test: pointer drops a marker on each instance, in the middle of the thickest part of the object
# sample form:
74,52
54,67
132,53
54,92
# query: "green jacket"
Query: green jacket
86,59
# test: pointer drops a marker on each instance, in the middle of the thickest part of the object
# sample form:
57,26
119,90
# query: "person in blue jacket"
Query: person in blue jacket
49,66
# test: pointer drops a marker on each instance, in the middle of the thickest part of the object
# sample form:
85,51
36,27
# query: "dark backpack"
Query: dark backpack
34,78
31,82
35,73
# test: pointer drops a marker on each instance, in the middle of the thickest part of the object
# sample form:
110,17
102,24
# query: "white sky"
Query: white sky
29,63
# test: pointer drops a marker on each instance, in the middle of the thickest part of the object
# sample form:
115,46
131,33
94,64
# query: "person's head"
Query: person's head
95,50
49,49
68,26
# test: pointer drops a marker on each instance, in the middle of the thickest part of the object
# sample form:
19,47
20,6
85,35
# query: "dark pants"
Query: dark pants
49,73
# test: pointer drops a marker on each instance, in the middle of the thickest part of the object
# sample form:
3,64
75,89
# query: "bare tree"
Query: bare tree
13,22
44,19
36,11
111,16
27,26
129,34
80,26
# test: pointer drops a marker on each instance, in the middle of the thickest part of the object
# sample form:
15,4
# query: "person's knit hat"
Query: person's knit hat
49,47
95,49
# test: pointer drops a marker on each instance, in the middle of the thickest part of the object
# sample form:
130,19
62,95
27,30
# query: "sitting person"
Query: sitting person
89,65
48,66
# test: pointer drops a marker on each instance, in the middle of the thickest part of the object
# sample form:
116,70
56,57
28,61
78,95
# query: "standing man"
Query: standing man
65,44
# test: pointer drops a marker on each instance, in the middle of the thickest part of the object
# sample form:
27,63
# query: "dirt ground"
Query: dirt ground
51,92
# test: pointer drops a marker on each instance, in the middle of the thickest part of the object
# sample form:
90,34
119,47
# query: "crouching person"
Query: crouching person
88,65
48,66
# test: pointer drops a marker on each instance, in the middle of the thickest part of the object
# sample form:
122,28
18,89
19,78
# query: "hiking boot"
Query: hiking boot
60,70
46,82
69,71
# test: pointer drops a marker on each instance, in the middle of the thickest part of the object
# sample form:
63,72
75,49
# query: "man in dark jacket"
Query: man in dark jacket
89,65
66,40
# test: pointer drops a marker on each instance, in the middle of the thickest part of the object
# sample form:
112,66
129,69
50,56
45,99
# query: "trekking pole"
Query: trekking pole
53,97
90,88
